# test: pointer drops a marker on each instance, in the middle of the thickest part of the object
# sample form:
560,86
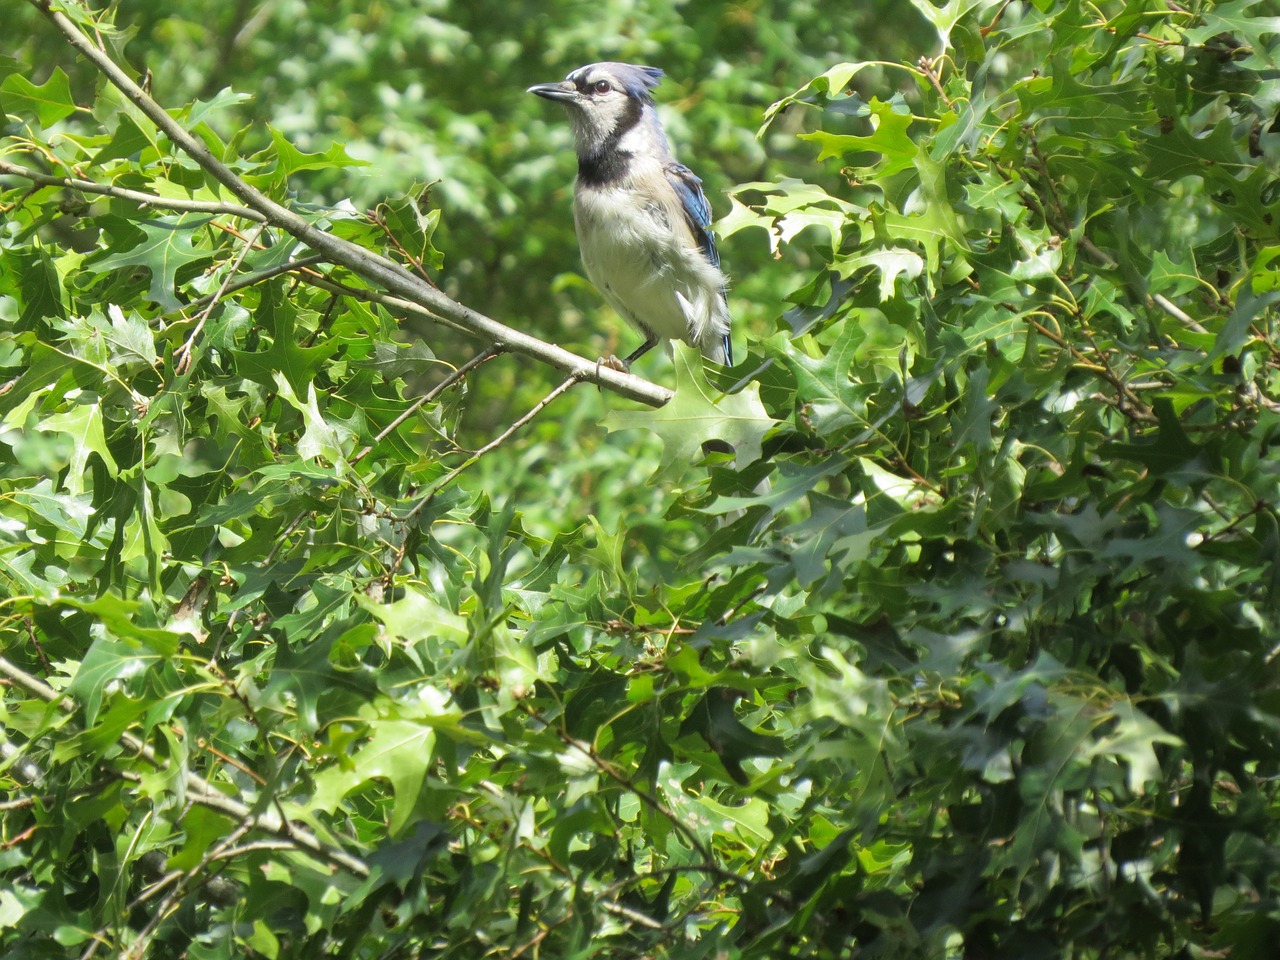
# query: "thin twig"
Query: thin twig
99,935
280,542
1173,310
484,356
169,903
254,846
35,685
1141,414
201,206
492,445
613,773
137,196
25,770
453,474
542,934
926,64
253,279
182,358
380,222
200,790
635,916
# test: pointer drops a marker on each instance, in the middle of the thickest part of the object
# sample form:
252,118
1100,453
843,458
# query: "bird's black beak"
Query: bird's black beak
563,91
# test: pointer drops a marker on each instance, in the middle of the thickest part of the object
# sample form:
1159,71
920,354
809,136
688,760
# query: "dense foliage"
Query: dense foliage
987,667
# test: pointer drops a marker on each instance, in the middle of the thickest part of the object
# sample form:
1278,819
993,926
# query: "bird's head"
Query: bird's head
604,100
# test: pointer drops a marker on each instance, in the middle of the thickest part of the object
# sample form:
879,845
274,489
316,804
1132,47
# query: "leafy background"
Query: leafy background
987,668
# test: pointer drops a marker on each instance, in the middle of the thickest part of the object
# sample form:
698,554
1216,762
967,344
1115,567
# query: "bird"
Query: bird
643,222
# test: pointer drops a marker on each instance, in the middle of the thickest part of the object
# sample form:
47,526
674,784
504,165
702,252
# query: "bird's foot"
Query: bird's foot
613,363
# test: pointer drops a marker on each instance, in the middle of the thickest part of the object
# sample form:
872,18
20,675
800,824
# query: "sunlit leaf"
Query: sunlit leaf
49,102
695,415
168,246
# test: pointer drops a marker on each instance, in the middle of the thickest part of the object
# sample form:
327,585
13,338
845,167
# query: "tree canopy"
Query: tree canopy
351,609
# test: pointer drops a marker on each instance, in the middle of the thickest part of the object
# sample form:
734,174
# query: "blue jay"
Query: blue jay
643,222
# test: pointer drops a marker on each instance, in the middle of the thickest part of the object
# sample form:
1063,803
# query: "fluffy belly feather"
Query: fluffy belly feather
637,257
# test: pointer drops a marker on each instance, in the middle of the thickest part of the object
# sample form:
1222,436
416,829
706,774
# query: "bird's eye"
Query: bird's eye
601,86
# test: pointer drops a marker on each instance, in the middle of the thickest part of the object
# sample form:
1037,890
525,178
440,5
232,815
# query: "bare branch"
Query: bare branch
635,916
137,196
253,279
182,358
492,445
1173,310
454,376
176,889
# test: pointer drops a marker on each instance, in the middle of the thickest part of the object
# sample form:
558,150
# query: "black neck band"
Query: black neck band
608,164
600,169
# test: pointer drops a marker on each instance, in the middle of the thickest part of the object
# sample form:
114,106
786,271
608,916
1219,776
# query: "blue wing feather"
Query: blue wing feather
697,213
696,209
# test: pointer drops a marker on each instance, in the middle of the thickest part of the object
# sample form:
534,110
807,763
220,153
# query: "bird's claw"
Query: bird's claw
613,363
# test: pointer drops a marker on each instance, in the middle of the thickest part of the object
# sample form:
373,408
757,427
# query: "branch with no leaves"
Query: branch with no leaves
489,447
460,373
492,445
136,196
388,274
182,359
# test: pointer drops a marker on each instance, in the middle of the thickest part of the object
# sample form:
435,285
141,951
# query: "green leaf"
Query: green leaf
413,225
790,206
890,262
289,159
831,400
38,287
400,751
168,245
1234,18
286,356
48,102
107,662
821,88
713,719
695,415
201,829
8,67
304,671
889,139
1170,449
263,941
944,17
416,615
831,524
1133,741
320,437
83,423
127,140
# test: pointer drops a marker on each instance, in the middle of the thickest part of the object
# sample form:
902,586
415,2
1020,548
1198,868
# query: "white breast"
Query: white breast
645,263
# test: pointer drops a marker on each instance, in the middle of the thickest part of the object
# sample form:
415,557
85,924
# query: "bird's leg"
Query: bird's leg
624,366
641,350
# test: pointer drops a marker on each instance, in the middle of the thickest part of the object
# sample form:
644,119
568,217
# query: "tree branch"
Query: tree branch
492,445
484,356
253,279
182,358
216,207
372,266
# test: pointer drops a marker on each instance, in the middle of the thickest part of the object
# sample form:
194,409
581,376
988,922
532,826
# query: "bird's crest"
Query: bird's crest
636,81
